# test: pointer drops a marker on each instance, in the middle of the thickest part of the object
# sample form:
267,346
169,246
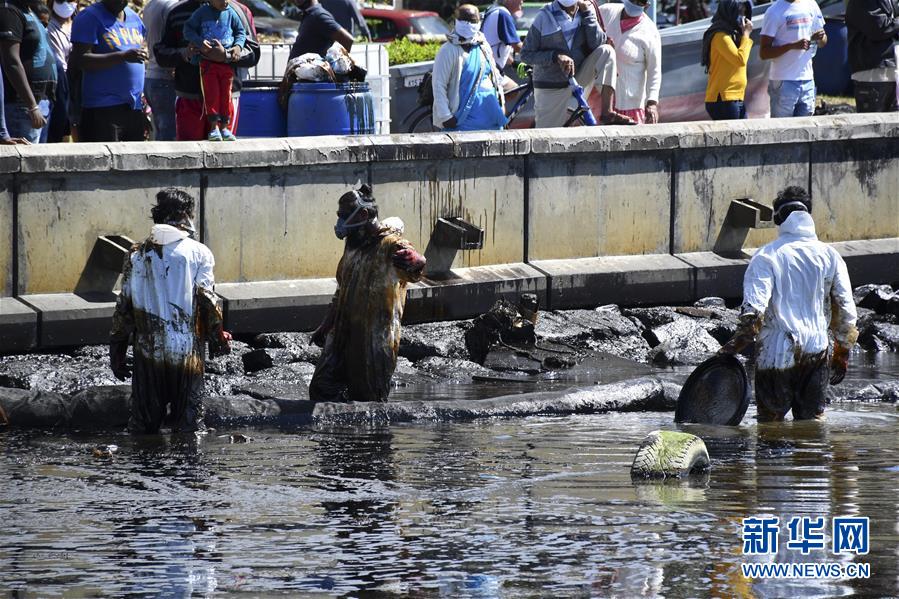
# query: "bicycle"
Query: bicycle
422,121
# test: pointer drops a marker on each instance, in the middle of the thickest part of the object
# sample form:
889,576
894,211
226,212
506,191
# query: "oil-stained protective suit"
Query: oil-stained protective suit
796,289
168,304
361,346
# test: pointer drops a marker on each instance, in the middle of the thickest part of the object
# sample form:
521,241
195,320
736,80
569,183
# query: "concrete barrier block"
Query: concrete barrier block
68,319
245,153
482,144
485,192
277,224
716,275
472,291
570,139
18,326
871,261
330,149
61,215
155,155
855,189
6,240
625,280
273,306
759,132
585,205
411,147
656,137
65,158
10,159
708,180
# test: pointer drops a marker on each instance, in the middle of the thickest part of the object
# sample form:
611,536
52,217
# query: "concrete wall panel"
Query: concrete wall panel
855,189
271,225
587,205
708,179
61,215
486,192
6,228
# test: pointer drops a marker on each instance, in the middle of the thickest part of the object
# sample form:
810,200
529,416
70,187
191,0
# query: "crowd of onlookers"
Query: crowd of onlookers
103,73
616,49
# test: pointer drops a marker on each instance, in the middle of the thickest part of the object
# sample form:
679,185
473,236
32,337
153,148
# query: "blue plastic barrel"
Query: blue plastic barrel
330,109
831,63
259,114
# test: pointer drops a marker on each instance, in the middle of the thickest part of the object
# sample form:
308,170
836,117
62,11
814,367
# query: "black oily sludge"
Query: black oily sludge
103,408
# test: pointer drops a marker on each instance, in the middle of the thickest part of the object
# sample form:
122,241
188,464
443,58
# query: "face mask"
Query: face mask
466,30
631,9
567,3
342,229
64,10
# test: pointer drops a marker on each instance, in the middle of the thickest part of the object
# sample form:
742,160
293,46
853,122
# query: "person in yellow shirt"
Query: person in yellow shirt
725,52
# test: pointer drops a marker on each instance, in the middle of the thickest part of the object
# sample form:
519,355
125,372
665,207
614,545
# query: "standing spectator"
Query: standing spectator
725,53
638,54
348,15
873,28
108,42
29,70
792,32
565,41
173,52
60,30
219,24
318,31
499,29
5,139
159,83
468,92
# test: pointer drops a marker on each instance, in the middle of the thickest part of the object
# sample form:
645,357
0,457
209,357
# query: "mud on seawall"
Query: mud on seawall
623,355
579,217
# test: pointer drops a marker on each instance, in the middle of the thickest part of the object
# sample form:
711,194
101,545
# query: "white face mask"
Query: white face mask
567,3
631,9
466,30
64,10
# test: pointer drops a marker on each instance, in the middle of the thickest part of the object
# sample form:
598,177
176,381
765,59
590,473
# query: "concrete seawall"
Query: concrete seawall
579,216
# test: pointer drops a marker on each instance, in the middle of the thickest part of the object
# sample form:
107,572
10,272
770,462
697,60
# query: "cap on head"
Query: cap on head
791,199
172,205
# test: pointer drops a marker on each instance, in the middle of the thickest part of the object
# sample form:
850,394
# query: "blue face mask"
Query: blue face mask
631,9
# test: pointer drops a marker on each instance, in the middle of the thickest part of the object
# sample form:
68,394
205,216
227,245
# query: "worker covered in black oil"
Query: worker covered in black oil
796,295
167,309
361,333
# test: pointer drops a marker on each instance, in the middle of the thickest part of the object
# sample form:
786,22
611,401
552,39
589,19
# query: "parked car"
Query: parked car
386,25
271,25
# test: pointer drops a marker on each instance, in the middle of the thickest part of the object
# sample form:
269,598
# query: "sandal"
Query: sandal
614,118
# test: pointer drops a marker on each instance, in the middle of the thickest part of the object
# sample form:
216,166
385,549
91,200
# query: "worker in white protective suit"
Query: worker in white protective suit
169,308
796,289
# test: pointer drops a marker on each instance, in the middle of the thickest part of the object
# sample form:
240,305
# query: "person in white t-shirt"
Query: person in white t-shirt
498,28
792,32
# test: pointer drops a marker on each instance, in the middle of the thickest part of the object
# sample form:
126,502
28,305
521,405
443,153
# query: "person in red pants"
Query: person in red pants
212,25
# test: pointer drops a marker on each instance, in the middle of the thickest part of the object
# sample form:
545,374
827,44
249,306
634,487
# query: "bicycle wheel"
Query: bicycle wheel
423,123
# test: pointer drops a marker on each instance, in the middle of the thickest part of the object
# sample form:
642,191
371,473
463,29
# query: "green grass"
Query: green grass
836,100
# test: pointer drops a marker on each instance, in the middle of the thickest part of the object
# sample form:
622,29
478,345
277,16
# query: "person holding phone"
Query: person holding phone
792,32
725,53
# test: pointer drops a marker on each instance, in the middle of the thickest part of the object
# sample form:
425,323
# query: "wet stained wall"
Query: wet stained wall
267,206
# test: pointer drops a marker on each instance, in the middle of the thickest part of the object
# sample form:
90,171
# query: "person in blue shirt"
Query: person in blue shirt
108,40
211,25
499,29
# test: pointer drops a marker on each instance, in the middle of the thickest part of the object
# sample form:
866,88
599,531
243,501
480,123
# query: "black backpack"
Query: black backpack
425,91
